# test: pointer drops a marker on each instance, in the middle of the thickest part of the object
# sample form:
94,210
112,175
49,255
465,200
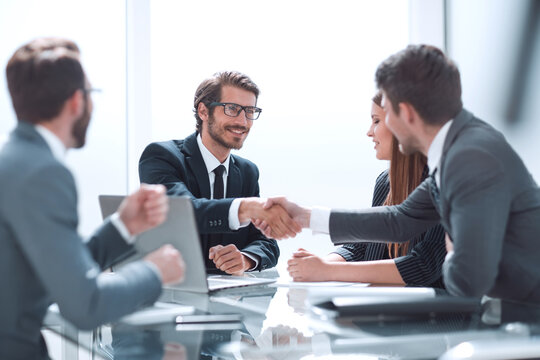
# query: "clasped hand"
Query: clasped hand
230,260
279,218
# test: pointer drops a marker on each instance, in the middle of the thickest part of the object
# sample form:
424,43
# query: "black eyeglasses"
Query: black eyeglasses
233,110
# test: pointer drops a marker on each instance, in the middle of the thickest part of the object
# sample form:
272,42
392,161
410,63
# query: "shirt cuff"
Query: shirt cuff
234,222
122,229
252,257
319,222
448,256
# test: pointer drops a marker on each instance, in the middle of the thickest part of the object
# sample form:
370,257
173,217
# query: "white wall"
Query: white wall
98,27
426,22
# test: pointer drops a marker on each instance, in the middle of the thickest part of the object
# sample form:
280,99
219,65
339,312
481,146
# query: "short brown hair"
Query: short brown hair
209,90
41,76
424,77
406,173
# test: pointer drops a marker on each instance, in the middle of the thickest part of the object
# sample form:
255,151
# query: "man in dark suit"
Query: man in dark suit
224,187
43,259
479,188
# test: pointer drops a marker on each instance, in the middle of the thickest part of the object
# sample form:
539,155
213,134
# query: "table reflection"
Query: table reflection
278,322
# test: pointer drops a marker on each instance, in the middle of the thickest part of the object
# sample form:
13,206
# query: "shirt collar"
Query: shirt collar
210,160
55,144
436,148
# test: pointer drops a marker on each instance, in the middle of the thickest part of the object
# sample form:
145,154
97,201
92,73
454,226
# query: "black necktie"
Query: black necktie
434,188
219,193
219,189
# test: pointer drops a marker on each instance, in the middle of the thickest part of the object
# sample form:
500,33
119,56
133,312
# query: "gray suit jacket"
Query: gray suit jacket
489,205
43,259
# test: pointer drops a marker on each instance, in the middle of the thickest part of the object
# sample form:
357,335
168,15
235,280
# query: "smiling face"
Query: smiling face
382,137
220,132
401,128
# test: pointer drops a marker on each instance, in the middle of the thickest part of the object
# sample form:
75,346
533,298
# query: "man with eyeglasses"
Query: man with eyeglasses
224,187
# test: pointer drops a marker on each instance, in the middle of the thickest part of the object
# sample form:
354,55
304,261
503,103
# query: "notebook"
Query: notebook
396,307
179,230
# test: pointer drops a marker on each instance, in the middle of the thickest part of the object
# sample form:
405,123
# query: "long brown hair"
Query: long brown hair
405,175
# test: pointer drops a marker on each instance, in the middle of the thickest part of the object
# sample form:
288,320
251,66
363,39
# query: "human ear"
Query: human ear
74,105
202,110
406,113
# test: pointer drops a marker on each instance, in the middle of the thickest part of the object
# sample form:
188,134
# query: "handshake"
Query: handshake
276,218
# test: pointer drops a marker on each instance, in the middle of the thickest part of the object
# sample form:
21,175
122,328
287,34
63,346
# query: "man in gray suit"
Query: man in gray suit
479,188
43,259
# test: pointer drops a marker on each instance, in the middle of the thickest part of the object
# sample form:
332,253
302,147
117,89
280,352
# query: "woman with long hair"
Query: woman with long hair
417,262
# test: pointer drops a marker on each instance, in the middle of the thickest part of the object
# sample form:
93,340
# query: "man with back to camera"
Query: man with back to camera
224,187
479,188
43,259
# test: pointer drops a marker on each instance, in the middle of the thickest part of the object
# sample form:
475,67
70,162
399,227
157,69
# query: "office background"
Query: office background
314,62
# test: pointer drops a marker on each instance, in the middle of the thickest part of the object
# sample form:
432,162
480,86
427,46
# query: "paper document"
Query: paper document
290,283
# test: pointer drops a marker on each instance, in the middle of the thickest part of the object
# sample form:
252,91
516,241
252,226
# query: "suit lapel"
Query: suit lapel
196,164
459,123
234,180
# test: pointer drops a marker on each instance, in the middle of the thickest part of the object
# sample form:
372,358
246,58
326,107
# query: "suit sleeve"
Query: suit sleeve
352,252
422,266
398,223
479,202
159,165
266,249
107,245
86,296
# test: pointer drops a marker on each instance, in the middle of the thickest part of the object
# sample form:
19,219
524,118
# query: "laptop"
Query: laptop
179,230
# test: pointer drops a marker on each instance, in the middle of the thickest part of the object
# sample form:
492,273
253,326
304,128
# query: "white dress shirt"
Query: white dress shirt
434,159
435,151
211,162
59,152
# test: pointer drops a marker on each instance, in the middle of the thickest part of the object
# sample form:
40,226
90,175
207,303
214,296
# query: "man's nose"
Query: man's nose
241,118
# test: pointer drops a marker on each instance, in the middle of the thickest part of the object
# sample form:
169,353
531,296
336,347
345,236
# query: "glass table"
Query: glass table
279,321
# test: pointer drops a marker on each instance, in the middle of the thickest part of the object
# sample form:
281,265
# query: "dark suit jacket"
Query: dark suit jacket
178,164
489,205
43,259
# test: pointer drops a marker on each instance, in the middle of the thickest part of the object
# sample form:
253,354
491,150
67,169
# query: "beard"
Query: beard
217,133
78,131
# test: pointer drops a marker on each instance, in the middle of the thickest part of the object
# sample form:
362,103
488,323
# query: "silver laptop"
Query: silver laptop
179,230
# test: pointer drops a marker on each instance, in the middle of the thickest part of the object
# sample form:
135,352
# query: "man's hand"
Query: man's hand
304,266
169,262
144,209
300,215
280,225
230,260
